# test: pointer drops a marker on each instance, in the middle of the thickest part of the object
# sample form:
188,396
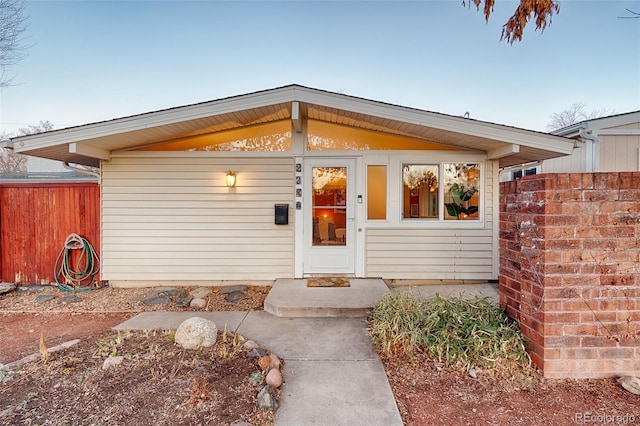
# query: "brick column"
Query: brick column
570,270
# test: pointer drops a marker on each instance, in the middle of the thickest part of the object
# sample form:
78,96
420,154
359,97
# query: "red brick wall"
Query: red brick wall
570,270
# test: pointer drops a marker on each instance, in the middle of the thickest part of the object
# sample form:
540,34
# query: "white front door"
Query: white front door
329,216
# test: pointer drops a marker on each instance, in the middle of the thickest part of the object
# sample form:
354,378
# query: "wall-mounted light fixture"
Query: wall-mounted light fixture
230,178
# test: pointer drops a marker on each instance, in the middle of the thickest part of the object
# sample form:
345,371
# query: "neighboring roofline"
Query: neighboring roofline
45,177
286,94
596,124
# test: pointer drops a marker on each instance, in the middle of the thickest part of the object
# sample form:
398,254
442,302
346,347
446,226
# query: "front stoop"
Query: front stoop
292,298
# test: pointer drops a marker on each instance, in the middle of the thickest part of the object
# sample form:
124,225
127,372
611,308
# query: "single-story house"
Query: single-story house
295,182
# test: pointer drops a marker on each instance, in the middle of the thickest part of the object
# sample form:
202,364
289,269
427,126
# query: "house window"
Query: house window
323,136
461,191
275,136
528,172
420,191
376,192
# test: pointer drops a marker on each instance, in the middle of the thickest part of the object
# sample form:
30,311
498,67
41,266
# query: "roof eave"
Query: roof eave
501,134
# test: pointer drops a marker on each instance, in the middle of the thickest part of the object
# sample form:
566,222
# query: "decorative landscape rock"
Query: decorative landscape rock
257,353
195,333
198,303
274,378
275,361
72,298
264,362
169,291
200,292
157,300
112,361
183,302
44,298
249,345
33,288
6,288
165,296
631,384
267,399
235,297
232,289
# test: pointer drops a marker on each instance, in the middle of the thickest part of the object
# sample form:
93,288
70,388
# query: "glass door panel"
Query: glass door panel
329,206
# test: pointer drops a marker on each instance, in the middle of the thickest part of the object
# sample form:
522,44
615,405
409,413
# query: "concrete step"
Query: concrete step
292,298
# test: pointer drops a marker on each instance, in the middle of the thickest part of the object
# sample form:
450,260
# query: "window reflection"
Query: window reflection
461,191
376,192
274,136
329,205
420,190
323,136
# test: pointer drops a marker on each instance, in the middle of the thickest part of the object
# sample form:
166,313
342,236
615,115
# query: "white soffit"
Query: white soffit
95,141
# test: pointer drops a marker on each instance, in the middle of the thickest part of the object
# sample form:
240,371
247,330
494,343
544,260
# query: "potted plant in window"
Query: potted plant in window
461,201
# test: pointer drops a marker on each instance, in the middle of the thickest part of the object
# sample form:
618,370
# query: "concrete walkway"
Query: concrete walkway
332,374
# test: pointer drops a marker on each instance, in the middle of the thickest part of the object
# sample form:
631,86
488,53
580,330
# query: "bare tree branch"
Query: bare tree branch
637,15
13,22
575,113
12,162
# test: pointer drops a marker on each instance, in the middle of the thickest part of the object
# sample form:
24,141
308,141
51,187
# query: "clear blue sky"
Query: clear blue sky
90,61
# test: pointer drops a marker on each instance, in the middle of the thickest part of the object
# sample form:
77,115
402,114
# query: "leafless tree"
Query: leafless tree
32,129
10,161
575,113
541,10
13,23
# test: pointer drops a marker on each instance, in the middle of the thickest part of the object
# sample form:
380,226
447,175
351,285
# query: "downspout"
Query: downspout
79,170
593,149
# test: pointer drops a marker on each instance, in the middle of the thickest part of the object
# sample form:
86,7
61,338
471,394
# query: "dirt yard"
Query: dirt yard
160,384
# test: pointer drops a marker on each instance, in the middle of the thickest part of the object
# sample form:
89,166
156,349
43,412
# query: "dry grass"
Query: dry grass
462,332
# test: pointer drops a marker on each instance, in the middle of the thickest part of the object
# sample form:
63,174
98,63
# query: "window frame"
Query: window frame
440,205
395,205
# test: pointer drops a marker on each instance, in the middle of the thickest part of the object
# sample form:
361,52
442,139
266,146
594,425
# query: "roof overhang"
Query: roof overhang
91,143
603,125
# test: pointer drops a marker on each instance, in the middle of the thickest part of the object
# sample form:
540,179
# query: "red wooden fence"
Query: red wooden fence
35,220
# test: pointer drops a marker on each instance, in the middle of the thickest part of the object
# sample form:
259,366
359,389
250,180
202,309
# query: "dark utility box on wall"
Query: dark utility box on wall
282,214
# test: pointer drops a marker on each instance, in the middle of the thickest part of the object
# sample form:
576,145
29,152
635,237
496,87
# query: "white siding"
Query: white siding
619,153
173,219
449,252
574,163
430,254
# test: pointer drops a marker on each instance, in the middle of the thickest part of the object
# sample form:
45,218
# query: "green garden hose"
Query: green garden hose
88,264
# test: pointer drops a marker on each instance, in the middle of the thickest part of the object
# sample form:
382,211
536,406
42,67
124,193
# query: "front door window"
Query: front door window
329,206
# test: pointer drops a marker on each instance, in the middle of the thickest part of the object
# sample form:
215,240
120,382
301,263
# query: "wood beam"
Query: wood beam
503,151
296,118
89,151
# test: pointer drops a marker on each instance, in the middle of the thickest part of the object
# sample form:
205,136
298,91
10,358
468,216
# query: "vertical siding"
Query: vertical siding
576,162
35,220
619,153
439,253
173,219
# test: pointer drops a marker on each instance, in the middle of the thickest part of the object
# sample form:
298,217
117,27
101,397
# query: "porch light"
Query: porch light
230,178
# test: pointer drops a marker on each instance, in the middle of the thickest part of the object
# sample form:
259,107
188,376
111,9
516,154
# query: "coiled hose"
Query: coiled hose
69,279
